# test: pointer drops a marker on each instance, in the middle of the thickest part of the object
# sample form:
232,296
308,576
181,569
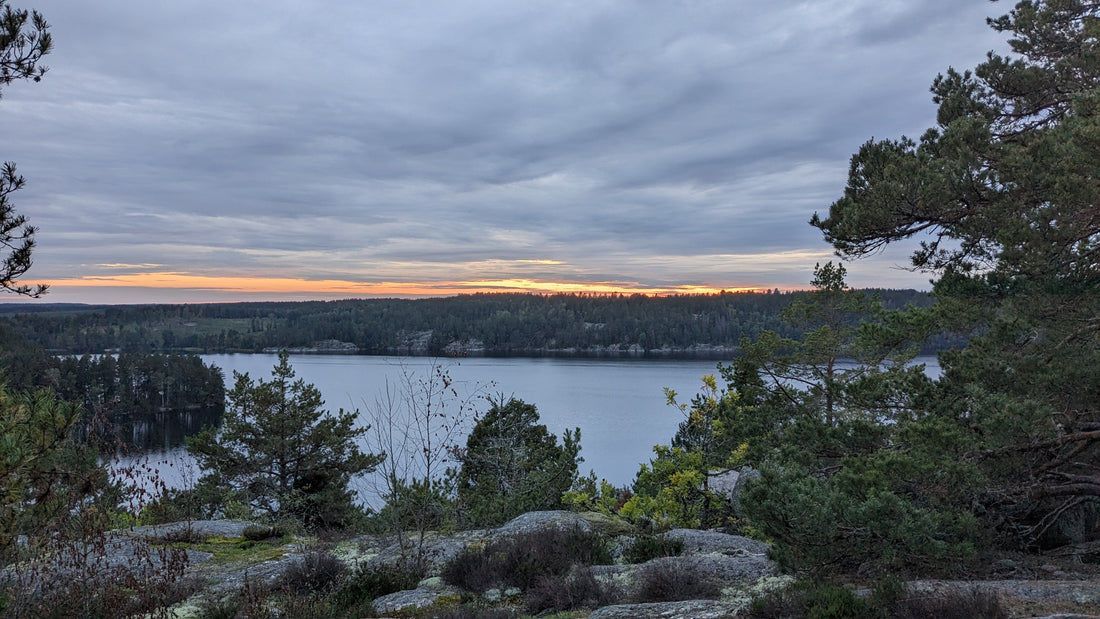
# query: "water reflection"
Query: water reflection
153,432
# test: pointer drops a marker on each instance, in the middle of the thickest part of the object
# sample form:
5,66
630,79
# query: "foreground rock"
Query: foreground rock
431,592
1025,598
713,542
729,561
189,530
690,609
735,568
535,521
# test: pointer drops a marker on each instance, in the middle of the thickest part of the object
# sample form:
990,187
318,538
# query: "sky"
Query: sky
208,151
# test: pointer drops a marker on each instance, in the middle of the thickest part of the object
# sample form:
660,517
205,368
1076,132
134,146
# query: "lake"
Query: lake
618,404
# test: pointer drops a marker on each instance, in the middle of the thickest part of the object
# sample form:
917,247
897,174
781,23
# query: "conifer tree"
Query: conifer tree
24,40
511,464
279,451
1003,195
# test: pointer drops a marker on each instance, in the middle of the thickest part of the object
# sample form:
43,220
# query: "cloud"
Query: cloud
640,141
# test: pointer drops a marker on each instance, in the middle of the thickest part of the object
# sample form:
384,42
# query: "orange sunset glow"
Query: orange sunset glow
335,287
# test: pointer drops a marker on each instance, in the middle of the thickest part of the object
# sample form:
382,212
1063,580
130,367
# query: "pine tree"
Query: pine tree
282,453
1004,195
24,40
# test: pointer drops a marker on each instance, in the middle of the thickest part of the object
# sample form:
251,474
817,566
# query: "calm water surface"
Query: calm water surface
619,405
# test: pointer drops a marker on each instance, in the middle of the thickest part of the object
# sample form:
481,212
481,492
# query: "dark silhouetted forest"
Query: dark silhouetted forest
491,324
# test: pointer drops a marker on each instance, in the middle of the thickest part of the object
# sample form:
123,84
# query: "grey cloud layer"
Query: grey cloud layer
348,141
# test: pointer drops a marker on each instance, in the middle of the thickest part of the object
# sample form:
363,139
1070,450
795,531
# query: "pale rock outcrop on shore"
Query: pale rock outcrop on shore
737,566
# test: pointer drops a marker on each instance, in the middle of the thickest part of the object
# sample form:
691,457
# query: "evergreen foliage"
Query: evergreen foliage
844,349
41,472
47,482
848,476
127,398
851,476
282,453
511,464
1002,194
24,40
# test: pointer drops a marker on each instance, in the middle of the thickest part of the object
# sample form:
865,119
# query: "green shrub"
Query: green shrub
224,608
512,464
415,505
833,602
813,600
646,547
819,526
972,604
369,582
816,600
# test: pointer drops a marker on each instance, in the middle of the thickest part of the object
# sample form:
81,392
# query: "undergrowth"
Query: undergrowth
524,560
646,547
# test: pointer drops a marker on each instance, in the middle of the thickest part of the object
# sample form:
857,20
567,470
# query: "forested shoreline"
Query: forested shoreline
120,397
689,326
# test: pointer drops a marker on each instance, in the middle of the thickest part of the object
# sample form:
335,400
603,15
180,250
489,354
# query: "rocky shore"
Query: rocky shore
737,564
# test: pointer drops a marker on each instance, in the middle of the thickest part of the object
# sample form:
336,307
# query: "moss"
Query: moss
447,602
609,525
240,550
443,603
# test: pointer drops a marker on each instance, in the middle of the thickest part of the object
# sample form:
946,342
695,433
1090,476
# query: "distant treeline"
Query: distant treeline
490,324
124,383
123,395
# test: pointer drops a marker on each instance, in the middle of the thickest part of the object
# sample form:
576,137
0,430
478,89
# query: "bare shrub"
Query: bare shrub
673,581
316,572
418,422
86,577
973,604
250,601
523,560
579,589
473,570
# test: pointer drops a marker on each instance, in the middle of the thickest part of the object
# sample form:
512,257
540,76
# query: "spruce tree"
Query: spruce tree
512,464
